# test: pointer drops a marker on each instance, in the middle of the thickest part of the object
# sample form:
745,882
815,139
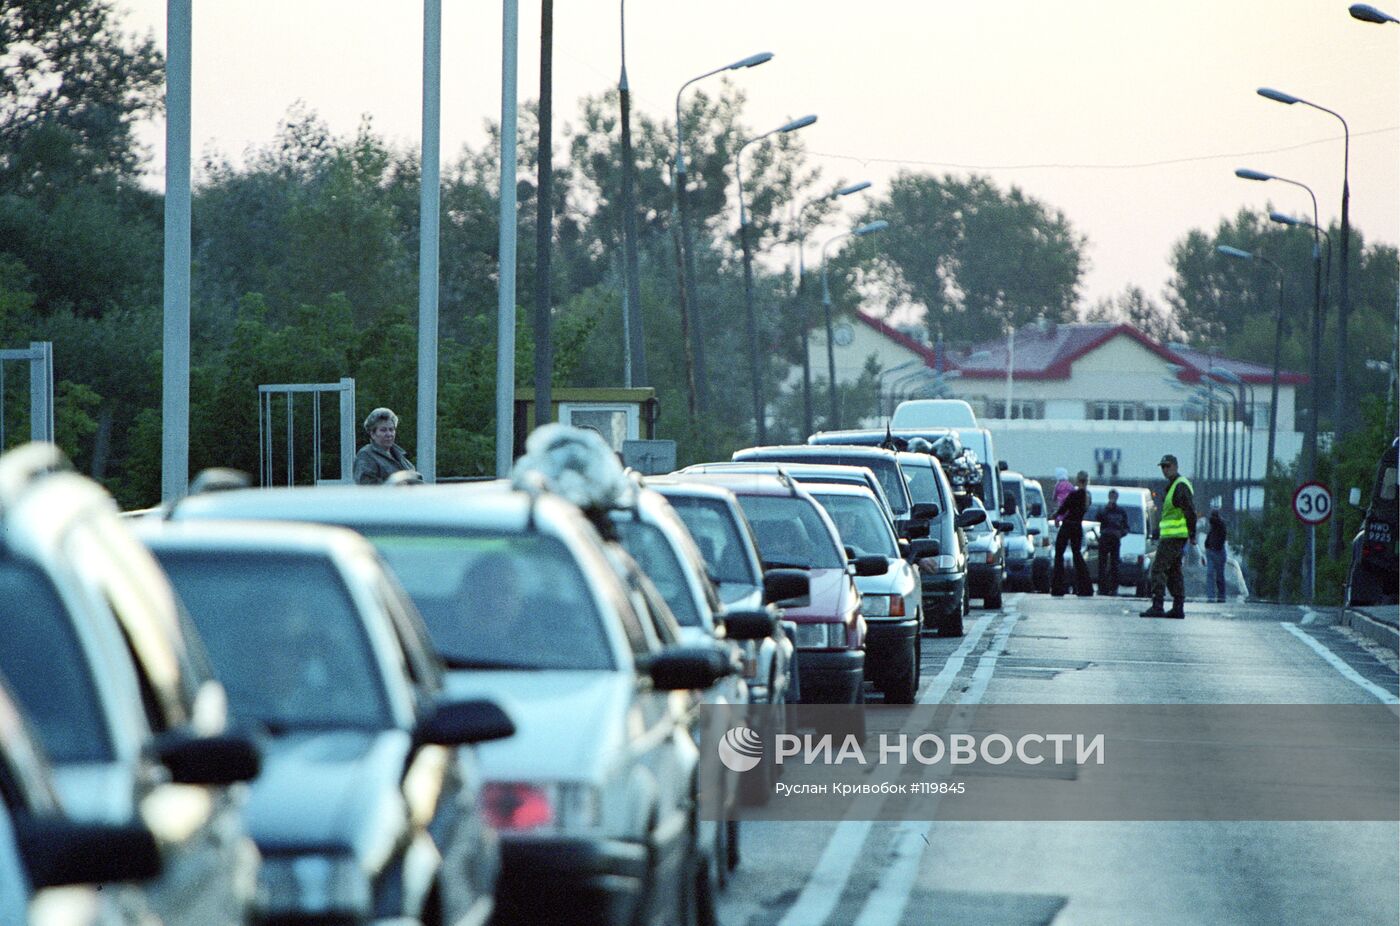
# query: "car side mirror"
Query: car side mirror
58,851
223,759
1037,510
750,625
870,566
850,552
916,529
1032,531
786,586
971,517
1004,527
925,511
924,549
462,723
1001,466
688,667
1354,497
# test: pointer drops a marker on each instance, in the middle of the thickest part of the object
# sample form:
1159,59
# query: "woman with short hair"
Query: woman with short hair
381,457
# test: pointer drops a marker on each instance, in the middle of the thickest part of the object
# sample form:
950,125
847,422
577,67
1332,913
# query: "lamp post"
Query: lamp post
1247,452
868,229
880,381
691,326
1315,360
1344,305
1295,222
633,331
760,425
1239,254
803,320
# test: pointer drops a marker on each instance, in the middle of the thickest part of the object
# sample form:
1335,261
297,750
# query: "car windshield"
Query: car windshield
499,601
716,532
284,636
658,560
1012,492
923,484
884,468
790,532
41,659
1133,512
860,524
1034,496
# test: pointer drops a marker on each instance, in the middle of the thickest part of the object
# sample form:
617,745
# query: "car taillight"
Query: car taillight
991,557
1370,549
516,806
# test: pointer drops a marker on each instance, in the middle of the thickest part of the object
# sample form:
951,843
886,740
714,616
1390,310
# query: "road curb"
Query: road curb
1384,632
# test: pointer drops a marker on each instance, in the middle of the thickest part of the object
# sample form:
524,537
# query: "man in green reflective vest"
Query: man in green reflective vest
1176,529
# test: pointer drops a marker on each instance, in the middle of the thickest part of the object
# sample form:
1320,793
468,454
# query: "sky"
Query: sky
1130,117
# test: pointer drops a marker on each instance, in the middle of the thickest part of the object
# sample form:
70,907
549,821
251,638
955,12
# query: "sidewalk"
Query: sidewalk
1380,622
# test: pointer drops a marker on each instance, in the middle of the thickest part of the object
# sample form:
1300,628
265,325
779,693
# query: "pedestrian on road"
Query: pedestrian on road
1113,526
1176,530
1215,557
381,457
1071,516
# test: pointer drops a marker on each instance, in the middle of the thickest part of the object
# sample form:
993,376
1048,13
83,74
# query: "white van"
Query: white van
933,413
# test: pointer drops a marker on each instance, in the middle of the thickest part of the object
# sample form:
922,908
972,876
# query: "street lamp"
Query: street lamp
1295,222
801,302
1315,362
1344,307
685,248
868,229
1245,453
759,423
1239,254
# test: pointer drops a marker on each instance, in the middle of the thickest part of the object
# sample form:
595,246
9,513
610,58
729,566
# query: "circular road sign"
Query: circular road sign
1312,503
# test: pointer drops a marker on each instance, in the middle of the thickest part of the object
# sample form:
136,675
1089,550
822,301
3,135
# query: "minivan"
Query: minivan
1135,551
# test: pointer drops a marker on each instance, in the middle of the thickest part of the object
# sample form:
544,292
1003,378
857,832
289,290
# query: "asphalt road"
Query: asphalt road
1039,650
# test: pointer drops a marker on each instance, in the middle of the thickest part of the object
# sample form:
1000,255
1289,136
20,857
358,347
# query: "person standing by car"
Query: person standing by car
1070,514
1062,488
1176,530
1113,527
381,457
1215,557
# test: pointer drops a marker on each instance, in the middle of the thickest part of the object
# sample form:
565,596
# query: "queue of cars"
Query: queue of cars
458,704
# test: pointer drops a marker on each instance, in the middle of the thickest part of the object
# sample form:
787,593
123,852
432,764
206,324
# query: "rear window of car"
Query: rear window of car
653,552
861,524
284,636
41,658
716,532
790,532
1134,513
499,601
1034,496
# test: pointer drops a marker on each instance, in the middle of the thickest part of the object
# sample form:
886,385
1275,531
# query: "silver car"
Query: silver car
117,687
594,795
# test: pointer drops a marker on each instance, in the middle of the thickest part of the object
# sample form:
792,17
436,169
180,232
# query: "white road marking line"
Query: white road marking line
887,902
1347,672
827,881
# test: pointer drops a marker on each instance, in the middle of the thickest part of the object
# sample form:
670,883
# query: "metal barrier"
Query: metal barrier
266,458
40,358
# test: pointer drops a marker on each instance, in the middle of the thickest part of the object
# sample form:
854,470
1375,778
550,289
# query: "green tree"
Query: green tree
975,257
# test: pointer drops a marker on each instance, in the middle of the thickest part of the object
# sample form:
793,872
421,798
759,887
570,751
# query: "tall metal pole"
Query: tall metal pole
175,357
429,226
505,291
544,225
637,371
750,315
1341,420
1010,366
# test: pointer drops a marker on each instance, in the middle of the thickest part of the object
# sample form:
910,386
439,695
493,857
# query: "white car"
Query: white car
594,795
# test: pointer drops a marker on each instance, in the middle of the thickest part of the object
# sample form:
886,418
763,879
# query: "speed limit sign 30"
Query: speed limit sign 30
1312,503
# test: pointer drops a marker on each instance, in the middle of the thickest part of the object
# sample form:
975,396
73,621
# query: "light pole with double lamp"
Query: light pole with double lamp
1315,359
867,229
1344,304
751,318
692,330
802,315
1240,254
1247,423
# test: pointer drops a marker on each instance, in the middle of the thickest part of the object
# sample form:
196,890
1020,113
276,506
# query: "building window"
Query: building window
1020,408
1127,411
